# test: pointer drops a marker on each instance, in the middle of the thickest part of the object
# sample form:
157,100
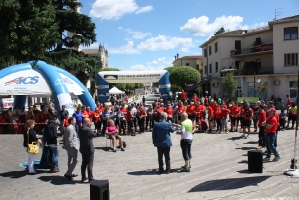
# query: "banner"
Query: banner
132,76
26,82
6,103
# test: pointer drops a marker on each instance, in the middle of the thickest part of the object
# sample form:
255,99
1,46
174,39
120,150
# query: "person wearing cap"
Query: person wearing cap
51,139
271,125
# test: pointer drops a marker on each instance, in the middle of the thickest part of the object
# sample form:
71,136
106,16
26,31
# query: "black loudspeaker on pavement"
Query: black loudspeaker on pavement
293,164
99,190
255,161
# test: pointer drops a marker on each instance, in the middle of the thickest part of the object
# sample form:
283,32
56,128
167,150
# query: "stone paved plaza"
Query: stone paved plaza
219,171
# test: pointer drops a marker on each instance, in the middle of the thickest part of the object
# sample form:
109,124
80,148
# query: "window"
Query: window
197,66
210,50
210,68
205,52
291,59
216,66
206,69
216,47
293,89
291,33
187,64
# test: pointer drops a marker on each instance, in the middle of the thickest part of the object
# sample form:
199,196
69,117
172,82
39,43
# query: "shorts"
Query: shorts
210,118
224,121
246,123
110,136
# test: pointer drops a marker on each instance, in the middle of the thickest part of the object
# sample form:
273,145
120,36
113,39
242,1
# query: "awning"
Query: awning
195,85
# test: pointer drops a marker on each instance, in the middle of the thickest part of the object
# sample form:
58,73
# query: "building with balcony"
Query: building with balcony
268,54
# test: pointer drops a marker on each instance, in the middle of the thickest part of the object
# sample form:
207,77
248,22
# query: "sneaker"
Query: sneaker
247,137
184,166
227,131
114,150
122,149
266,159
185,169
68,177
222,132
259,147
276,158
243,136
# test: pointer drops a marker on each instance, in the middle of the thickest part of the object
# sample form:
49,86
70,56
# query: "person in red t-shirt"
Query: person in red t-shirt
183,96
197,111
96,120
261,120
247,118
90,114
224,113
218,115
271,125
84,112
195,97
210,118
235,114
181,110
169,111
190,111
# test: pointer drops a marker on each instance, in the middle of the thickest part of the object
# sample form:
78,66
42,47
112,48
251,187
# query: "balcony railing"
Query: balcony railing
260,48
248,71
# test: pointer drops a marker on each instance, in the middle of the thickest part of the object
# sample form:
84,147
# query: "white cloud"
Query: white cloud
163,42
137,34
120,28
144,9
113,10
126,49
201,27
144,68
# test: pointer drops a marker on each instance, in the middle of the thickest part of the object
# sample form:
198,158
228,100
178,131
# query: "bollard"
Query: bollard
99,190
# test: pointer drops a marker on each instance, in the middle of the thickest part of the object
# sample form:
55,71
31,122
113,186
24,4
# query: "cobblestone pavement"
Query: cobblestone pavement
219,171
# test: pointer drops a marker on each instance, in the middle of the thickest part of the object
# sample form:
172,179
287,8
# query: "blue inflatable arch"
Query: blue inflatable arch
43,79
106,77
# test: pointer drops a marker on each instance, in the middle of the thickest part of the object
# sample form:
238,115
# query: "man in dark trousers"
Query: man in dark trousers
86,149
162,140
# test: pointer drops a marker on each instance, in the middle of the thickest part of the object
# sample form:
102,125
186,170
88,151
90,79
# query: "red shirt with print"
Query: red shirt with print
273,121
181,109
190,110
183,96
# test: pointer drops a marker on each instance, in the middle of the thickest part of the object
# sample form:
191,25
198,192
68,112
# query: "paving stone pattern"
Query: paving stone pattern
219,171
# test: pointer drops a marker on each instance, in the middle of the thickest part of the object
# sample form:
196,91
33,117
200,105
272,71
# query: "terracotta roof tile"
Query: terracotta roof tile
196,57
258,29
289,17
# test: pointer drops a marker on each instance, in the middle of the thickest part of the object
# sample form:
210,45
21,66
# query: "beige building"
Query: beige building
192,61
266,55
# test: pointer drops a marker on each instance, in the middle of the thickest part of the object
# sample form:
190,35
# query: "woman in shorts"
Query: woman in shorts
112,133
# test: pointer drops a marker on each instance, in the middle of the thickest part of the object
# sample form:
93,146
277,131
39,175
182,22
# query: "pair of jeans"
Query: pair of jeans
31,159
55,151
270,138
186,149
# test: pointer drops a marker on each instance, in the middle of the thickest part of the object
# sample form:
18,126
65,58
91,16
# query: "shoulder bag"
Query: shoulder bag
33,147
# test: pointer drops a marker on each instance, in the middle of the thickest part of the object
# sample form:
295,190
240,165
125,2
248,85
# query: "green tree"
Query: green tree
182,76
229,84
26,29
261,89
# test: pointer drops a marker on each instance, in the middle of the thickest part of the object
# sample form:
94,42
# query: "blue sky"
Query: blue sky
147,34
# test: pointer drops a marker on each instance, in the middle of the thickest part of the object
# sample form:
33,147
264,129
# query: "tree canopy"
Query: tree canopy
182,76
37,30
229,84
